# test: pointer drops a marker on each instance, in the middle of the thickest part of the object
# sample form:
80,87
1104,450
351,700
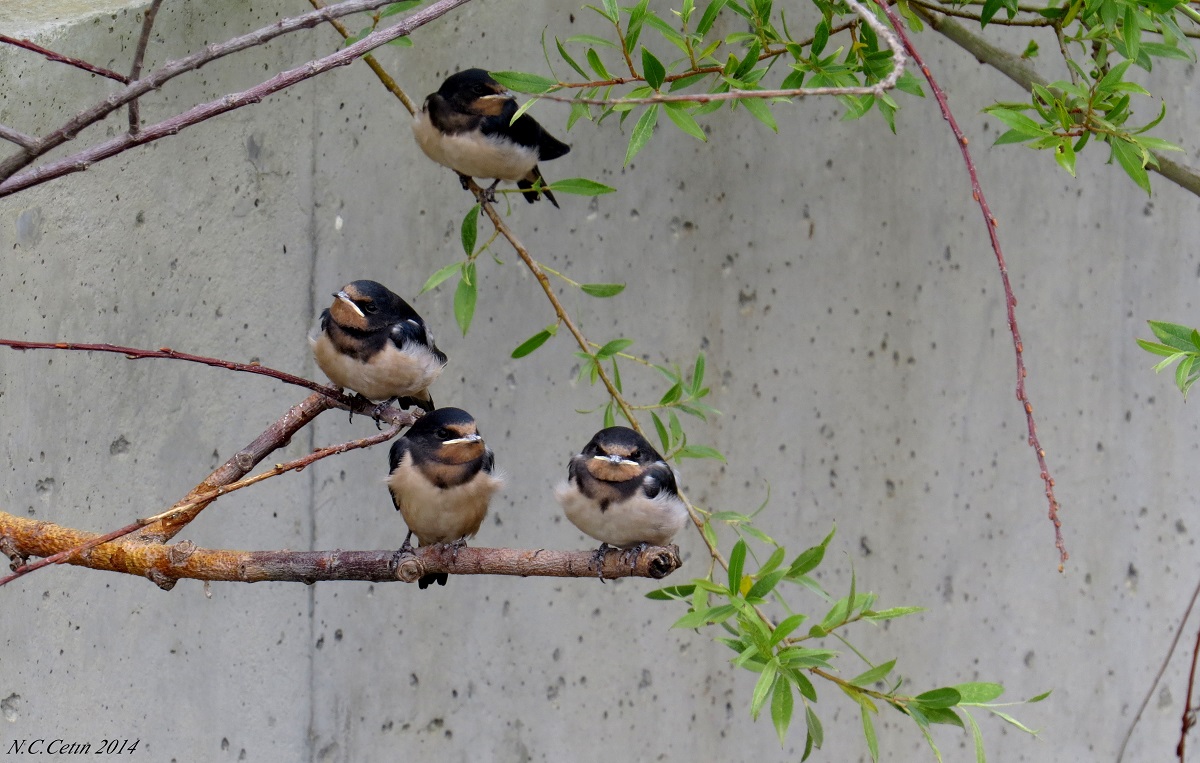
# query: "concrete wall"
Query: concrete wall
840,281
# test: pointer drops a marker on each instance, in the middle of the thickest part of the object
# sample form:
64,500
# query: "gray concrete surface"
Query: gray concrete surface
837,277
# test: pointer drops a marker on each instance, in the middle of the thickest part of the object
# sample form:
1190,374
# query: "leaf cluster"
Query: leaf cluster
1176,343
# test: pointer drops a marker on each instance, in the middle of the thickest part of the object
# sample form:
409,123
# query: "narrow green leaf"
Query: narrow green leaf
570,61
531,344
977,735
877,673
809,559
759,109
737,558
662,431
441,275
525,82
698,374
710,15
671,593
591,39
781,708
701,451
762,688
678,114
786,626
611,11
815,732
401,42
1039,697
1173,334
597,65
869,734
1130,159
609,417
581,187
765,584
469,230
602,289
1131,32
894,612
464,300
1014,721
1064,154
612,348
642,132
976,693
820,38
401,7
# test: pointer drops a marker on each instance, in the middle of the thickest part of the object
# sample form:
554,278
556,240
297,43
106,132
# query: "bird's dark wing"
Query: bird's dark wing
397,453
574,469
526,185
489,461
659,477
525,131
413,330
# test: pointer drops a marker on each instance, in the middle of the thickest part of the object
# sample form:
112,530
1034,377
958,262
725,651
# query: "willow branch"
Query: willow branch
1026,76
60,58
370,60
197,114
1010,299
165,564
16,136
139,56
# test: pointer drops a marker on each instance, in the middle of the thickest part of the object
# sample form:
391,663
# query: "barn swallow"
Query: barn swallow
442,477
372,342
621,492
467,126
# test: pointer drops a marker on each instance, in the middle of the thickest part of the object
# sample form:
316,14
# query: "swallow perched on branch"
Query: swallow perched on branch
467,126
372,342
621,492
442,478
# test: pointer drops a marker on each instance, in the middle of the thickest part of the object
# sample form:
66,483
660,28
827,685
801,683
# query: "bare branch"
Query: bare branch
166,564
172,69
135,71
1026,76
1010,300
18,137
60,58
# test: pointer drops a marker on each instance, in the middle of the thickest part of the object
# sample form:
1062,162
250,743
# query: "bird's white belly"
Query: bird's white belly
473,153
625,523
441,515
392,372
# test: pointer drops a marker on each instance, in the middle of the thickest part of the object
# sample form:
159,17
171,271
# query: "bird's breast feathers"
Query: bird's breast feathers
627,522
391,372
473,153
441,515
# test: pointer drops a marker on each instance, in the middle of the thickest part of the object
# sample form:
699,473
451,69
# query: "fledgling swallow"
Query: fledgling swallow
621,492
467,126
372,342
442,478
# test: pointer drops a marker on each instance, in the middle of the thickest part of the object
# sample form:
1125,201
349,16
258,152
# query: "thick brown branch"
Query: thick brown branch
60,58
1026,76
166,564
172,69
1010,299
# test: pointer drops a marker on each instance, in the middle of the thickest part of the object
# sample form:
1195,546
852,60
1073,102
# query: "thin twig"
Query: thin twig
371,61
1189,719
210,53
165,564
1161,670
60,58
139,56
1010,299
997,20
185,506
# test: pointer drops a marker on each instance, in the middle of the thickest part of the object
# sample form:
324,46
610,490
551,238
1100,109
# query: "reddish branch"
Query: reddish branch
210,53
50,54
1189,715
1010,299
166,564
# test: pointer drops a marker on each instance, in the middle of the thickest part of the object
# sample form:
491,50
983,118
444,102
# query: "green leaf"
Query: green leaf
464,298
786,626
1158,349
765,584
591,39
943,715
990,8
759,109
652,69
470,230
602,289
1017,121
762,689
672,592
642,132
781,708
809,559
401,7
612,348
609,418
401,42
441,275
815,732
1014,721
944,697
1039,697
976,693
701,451
597,65
662,431
698,374
1173,334
581,187
677,112
531,344
570,61
710,15
612,11
1131,32
869,734
977,735
877,673
1064,154
892,613
737,558
820,38
525,82
1130,159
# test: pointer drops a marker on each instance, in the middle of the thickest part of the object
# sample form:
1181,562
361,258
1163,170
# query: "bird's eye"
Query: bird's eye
444,434
635,455
370,307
